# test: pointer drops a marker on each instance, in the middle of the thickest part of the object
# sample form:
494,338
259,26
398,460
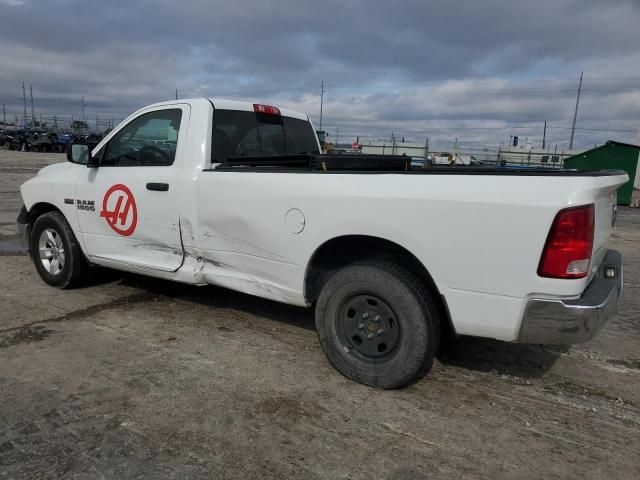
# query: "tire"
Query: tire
378,324
66,265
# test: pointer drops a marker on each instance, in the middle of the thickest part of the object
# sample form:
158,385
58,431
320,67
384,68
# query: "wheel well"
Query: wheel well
39,209
341,251
29,218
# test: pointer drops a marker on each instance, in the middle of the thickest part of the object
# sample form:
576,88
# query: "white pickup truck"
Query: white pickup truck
236,194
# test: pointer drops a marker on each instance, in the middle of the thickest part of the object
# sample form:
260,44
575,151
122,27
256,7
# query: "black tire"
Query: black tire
400,347
75,267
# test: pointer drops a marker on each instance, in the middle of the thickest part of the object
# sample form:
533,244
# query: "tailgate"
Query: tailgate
605,200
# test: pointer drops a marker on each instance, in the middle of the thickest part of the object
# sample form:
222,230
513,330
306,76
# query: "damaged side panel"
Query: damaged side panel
143,253
242,272
243,247
251,275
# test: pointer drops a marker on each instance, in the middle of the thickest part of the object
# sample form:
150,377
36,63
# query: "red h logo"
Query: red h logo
123,218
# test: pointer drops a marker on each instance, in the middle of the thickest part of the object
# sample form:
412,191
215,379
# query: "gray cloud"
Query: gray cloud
437,68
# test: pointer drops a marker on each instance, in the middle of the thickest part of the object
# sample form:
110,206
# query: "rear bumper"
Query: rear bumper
563,322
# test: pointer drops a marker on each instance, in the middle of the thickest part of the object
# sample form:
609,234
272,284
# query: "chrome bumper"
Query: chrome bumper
563,322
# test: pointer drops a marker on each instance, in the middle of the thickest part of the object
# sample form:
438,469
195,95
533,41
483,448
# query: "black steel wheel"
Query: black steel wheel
378,324
367,325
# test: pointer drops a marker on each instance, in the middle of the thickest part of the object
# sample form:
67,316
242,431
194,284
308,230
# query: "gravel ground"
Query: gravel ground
138,378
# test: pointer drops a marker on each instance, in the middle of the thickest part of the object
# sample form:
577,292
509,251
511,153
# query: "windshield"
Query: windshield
249,134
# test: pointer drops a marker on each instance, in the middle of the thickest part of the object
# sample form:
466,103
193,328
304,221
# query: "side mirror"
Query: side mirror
80,153
93,162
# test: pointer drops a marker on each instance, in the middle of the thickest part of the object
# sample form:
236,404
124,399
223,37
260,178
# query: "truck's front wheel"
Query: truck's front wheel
378,324
56,252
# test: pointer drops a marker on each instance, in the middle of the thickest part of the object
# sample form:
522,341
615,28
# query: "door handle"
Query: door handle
158,187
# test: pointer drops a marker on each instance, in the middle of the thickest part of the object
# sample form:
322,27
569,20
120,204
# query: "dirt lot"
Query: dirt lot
137,378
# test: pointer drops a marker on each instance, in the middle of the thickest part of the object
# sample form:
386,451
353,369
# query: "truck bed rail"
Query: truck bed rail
384,164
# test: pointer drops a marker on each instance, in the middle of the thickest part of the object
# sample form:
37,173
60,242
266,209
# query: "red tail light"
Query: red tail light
567,253
268,109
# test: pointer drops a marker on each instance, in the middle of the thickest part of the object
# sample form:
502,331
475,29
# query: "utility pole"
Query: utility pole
544,135
321,102
83,111
33,116
337,135
24,99
176,93
575,113
4,115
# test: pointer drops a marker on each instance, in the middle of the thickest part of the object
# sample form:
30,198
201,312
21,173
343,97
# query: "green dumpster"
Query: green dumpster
610,156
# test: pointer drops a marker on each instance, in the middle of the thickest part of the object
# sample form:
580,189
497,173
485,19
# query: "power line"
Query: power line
409,90
363,94
383,89
492,82
616,78
596,129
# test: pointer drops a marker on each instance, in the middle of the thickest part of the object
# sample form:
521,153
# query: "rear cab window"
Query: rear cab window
250,134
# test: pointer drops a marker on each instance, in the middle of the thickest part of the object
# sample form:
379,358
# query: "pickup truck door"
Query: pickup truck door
128,207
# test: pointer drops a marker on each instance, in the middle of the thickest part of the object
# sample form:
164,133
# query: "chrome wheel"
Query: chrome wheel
51,250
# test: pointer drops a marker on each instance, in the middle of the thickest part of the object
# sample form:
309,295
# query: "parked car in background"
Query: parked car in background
89,139
17,140
64,139
42,141
420,162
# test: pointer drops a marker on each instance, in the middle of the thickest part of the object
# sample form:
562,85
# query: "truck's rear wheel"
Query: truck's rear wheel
56,252
378,324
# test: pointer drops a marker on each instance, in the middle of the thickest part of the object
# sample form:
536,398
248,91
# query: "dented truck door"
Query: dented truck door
128,205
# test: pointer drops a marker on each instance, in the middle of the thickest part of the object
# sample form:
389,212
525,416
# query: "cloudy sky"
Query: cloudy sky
476,70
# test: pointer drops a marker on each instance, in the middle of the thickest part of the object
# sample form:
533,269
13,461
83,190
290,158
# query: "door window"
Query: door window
148,140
